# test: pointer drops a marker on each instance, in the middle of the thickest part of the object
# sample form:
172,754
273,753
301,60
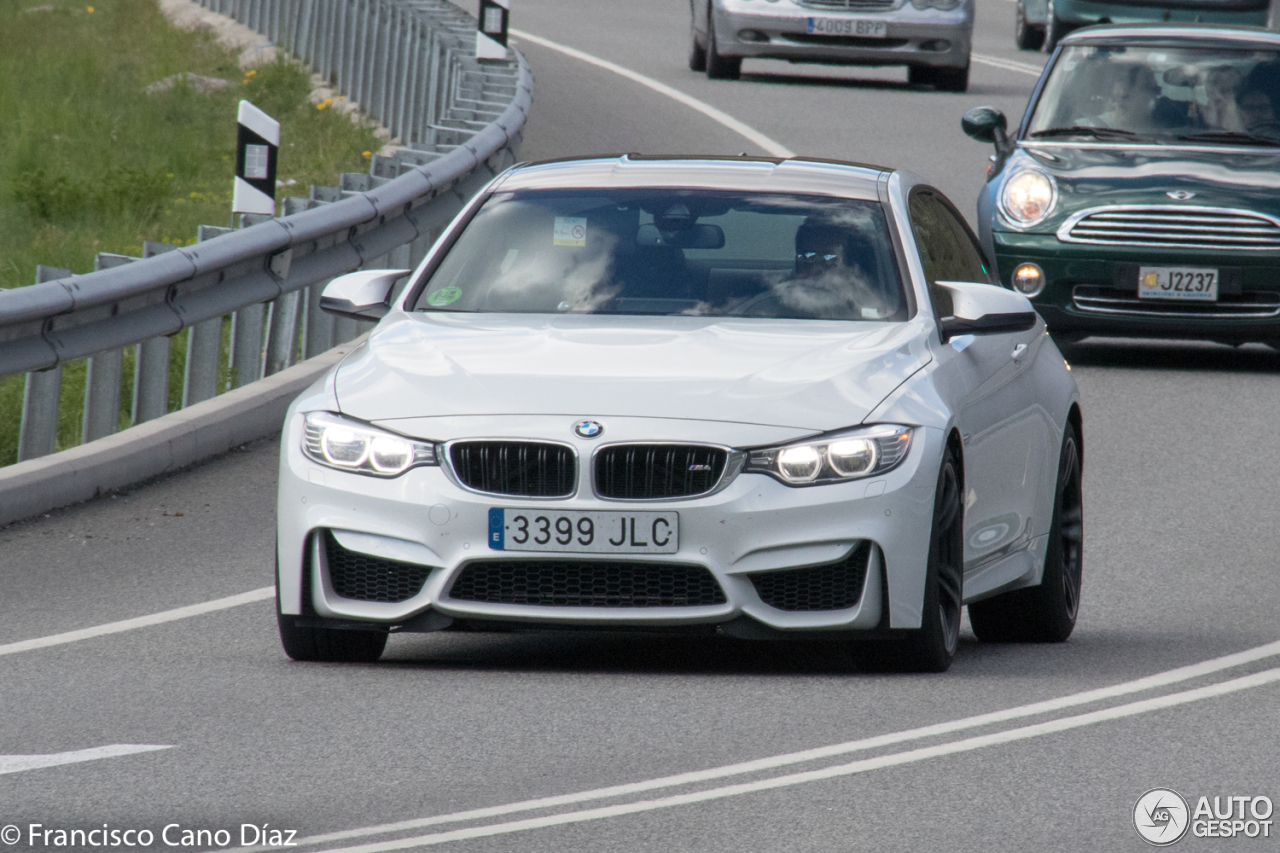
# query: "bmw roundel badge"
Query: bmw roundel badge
588,429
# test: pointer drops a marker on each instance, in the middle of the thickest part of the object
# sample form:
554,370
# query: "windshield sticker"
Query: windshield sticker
570,231
444,296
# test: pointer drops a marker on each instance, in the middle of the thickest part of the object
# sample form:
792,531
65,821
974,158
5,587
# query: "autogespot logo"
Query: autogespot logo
1161,816
588,429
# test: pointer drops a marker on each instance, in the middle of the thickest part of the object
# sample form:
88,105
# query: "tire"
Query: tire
1054,29
1045,613
331,645
697,53
1025,36
932,646
942,79
720,67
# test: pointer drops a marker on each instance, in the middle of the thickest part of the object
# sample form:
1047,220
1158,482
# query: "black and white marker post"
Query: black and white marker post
257,145
491,37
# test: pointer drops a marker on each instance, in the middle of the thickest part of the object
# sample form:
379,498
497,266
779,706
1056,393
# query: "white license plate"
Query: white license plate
847,27
584,532
1194,283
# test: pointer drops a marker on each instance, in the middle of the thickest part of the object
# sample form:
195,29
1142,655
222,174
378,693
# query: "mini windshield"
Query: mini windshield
671,252
1171,95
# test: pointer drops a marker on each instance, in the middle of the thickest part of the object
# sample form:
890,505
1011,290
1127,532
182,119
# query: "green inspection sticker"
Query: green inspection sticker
444,296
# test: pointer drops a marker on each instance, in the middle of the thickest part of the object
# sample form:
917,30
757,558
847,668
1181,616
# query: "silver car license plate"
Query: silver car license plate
584,532
1193,283
847,27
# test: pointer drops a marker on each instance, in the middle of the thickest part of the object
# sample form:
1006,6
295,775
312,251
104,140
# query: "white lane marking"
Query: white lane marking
1150,682
19,763
862,766
140,621
777,149
1007,64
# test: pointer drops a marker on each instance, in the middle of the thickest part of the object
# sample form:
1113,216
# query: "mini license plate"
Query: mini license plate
847,27
584,532
1194,283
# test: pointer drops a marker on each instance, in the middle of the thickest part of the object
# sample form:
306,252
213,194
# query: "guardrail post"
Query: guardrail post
103,375
38,433
282,333
151,366
246,344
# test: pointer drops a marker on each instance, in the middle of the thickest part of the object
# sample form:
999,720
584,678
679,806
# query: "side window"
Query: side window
947,249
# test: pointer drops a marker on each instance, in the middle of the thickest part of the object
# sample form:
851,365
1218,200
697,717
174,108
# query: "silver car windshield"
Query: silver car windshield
1170,95
668,252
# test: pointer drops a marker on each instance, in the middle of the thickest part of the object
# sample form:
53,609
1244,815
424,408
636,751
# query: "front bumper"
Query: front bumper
926,37
1092,290
1084,12
755,525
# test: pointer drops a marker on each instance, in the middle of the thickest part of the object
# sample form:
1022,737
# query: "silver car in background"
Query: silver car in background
931,37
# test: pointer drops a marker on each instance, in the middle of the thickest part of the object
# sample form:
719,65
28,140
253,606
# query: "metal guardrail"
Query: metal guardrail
409,64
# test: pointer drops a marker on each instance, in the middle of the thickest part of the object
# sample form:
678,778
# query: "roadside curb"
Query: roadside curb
165,444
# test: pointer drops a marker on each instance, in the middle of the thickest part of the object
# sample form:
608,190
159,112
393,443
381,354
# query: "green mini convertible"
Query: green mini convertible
1140,195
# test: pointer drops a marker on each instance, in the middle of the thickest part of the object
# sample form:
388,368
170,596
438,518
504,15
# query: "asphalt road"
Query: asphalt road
1180,474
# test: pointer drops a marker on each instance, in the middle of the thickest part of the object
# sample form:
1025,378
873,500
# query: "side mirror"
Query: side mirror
364,295
985,124
985,309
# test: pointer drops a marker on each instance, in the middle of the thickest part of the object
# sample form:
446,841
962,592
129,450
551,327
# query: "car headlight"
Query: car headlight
350,445
942,5
836,458
1028,197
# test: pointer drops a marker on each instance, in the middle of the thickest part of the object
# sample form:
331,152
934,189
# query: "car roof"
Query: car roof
1192,35
750,174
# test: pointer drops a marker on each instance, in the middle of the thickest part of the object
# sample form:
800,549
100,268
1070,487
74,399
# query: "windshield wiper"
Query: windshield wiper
1230,136
1084,130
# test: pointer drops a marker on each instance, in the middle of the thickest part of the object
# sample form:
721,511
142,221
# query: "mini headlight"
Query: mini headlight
1027,197
349,445
845,456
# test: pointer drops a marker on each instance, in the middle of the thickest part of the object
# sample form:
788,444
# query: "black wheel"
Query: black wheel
720,67
932,646
327,644
1045,613
1054,29
697,53
942,79
1026,36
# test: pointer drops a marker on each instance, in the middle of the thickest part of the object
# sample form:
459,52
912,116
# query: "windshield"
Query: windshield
1177,95
651,251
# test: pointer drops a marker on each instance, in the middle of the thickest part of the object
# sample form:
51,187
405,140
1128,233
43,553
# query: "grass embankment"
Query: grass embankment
89,162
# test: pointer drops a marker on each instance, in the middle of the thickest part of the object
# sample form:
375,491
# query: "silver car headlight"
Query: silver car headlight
1028,196
848,455
350,445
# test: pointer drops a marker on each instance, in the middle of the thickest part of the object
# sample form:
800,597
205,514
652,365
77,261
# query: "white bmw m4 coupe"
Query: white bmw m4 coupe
755,397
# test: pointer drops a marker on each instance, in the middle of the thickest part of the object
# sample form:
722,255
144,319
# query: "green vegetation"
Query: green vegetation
89,162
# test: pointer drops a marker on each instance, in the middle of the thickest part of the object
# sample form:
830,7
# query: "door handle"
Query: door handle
1019,351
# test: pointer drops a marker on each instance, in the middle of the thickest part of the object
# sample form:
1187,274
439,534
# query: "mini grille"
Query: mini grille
366,578
1189,227
1106,300
848,5
593,583
835,586
524,468
656,471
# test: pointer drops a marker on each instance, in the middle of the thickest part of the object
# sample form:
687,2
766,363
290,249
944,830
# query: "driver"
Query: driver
838,266
1130,100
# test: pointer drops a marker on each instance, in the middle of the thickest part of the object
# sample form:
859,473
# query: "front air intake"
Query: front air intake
365,578
834,586
587,583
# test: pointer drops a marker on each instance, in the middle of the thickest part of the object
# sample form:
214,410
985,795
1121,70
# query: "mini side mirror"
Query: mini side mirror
364,295
985,124
985,309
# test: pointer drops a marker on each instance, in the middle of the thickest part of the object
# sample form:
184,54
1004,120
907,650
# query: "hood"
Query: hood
1224,176
815,375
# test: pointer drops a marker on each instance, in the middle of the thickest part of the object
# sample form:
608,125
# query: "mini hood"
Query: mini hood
1224,177
816,375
